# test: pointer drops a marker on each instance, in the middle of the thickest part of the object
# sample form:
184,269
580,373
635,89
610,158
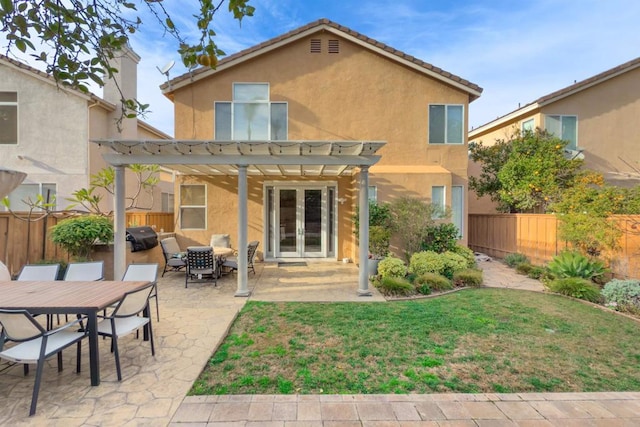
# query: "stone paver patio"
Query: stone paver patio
195,320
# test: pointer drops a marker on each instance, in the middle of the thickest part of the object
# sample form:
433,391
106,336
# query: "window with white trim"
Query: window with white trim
167,202
457,208
193,207
26,195
251,115
438,201
8,117
373,193
446,124
527,125
564,127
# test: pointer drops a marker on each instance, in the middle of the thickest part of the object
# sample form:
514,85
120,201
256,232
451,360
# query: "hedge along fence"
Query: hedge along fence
23,242
536,236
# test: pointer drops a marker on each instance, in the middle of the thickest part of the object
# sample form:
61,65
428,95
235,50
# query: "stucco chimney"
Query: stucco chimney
124,83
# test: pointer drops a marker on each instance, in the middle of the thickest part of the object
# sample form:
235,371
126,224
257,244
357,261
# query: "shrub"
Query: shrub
441,238
453,262
576,287
435,282
536,272
78,235
426,262
524,268
379,241
467,254
574,264
395,286
468,277
392,267
512,260
624,295
422,289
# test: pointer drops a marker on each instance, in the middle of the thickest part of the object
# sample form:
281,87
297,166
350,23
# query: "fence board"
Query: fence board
536,236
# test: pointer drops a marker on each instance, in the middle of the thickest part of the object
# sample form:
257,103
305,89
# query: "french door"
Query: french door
301,221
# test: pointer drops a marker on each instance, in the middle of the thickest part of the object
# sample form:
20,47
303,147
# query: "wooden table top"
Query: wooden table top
61,296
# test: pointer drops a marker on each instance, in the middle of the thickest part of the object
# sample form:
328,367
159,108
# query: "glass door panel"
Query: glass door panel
313,234
288,221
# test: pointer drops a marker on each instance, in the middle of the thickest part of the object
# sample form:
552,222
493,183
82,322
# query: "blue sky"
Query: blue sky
517,51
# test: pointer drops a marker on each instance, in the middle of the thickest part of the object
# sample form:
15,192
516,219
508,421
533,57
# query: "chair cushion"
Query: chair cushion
220,241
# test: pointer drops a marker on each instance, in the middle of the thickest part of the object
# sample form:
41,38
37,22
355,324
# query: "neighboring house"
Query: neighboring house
597,116
45,131
320,83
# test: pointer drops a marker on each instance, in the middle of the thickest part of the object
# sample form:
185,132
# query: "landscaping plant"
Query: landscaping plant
395,286
467,254
441,238
468,277
78,235
576,287
574,264
412,218
392,267
623,295
514,259
433,281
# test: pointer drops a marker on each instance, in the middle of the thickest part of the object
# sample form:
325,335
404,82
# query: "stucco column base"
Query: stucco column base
242,294
364,293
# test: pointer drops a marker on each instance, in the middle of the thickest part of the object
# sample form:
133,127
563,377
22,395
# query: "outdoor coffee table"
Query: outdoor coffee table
61,297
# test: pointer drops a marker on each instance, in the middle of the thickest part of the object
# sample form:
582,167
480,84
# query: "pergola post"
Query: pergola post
119,224
363,232
243,287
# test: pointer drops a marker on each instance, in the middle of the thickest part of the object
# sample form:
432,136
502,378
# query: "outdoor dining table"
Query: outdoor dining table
62,297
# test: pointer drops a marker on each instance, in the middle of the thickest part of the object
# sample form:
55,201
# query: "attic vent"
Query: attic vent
334,46
316,46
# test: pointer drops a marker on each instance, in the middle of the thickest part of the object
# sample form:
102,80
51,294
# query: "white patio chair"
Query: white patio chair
174,258
125,319
35,272
84,271
35,344
144,272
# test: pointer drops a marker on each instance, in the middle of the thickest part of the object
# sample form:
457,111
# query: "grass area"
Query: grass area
480,340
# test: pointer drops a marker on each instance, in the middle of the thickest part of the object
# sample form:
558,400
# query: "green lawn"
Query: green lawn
479,340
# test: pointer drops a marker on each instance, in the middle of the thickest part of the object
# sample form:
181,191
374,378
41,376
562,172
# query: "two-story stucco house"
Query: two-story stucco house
597,116
283,140
45,130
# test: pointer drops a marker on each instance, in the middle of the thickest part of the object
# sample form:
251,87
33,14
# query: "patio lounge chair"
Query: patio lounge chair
174,258
35,344
201,265
126,319
232,262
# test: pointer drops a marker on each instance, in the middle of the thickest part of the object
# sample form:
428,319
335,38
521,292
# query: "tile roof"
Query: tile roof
319,24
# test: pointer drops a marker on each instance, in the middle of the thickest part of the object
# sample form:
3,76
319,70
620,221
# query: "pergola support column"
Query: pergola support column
243,286
119,224
363,231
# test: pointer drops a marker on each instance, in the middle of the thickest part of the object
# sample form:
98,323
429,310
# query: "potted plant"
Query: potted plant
379,238
78,235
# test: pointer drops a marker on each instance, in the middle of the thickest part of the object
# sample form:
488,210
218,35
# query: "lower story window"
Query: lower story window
457,208
438,201
193,206
27,195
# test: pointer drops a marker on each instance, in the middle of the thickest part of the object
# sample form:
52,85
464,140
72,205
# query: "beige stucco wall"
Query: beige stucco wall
353,95
52,133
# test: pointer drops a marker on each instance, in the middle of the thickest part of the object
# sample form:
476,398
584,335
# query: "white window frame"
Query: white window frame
525,122
461,209
40,192
13,104
443,205
446,119
168,202
373,193
204,207
268,102
561,117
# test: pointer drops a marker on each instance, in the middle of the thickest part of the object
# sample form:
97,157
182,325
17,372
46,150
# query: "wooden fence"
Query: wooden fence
23,242
536,236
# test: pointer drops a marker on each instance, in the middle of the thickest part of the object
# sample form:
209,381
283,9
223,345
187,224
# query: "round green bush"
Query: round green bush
454,262
426,262
395,286
467,254
536,272
77,235
392,267
468,277
435,282
624,295
576,287
512,260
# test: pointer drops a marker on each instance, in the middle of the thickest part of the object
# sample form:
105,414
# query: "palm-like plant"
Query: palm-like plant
574,264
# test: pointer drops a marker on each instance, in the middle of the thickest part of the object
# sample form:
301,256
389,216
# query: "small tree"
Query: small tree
412,219
78,235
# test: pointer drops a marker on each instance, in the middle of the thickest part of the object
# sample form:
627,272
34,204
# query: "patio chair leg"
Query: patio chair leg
25,368
78,355
114,342
36,387
59,361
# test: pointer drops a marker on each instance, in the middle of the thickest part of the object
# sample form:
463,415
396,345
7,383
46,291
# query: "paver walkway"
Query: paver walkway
195,320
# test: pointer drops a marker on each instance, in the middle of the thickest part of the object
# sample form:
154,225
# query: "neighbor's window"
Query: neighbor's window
565,128
25,194
446,124
8,118
438,201
251,115
457,208
527,125
193,206
167,202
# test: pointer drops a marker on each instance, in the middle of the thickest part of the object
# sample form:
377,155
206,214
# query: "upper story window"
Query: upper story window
528,125
251,115
25,195
193,206
8,118
446,124
564,127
